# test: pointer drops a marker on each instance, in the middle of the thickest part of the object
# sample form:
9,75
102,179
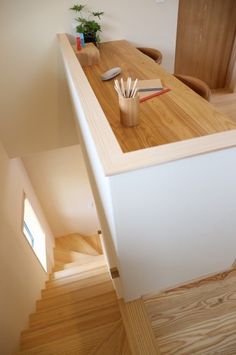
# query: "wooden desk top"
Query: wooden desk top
175,118
172,117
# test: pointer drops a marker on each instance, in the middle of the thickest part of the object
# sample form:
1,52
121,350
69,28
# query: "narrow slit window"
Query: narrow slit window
34,233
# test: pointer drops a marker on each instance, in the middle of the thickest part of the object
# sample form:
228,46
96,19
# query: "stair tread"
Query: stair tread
75,285
77,269
75,277
95,241
74,296
83,342
76,242
115,341
70,327
83,259
62,256
61,313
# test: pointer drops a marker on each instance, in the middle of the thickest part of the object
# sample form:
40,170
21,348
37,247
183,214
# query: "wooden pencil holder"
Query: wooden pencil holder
89,55
129,110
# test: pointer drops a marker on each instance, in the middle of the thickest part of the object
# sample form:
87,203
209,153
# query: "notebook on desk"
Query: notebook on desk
150,88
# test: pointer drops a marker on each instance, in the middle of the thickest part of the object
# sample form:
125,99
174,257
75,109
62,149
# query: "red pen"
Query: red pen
78,43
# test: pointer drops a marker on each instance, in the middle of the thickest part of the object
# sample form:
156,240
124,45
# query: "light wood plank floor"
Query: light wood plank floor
225,101
198,318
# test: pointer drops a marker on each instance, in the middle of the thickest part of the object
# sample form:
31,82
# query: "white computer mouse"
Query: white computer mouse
111,73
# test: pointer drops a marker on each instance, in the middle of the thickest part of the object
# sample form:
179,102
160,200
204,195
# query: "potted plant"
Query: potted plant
88,24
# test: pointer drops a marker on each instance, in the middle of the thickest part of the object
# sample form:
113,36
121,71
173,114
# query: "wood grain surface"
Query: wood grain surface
231,73
197,318
138,328
225,102
175,116
205,36
82,315
92,121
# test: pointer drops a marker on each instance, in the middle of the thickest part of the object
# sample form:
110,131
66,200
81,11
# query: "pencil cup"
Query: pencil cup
129,110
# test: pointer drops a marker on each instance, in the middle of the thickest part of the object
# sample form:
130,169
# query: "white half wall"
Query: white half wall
36,112
61,182
21,275
175,222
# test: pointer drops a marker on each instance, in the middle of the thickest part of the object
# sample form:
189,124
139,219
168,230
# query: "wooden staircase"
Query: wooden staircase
78,312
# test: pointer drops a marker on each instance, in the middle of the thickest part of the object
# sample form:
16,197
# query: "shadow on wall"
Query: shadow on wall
60,180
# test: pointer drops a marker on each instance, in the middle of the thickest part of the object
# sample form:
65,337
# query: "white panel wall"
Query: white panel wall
36,111
175,222
60,180
99,184
21,275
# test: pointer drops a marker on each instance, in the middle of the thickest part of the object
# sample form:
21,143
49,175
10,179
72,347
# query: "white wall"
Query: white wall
60,180
143,22
175,222
36,112
21,275
99,183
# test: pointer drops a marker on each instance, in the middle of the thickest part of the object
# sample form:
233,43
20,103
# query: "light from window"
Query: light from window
34,233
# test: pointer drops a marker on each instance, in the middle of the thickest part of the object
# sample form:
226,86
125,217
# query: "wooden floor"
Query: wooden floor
198,318
225,101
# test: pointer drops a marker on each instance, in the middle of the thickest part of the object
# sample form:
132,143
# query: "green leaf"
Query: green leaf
86,25
77,8
98,14
81,20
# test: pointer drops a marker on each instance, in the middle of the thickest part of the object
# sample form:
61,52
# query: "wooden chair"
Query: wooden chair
197,85
152,53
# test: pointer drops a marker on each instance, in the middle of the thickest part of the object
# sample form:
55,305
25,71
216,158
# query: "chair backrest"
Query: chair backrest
197,85
152,53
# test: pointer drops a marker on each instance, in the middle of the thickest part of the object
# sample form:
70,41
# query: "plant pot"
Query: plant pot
90,37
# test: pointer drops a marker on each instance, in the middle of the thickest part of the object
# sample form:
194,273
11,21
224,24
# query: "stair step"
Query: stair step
78,312
83,259
77,243
47,317
101,317
76,285
76,277
115,341
81,343
95,242
64,256
74,296
97,262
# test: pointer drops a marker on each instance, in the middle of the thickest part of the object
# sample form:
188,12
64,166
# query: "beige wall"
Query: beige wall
21,275
142,22
60,180
35,107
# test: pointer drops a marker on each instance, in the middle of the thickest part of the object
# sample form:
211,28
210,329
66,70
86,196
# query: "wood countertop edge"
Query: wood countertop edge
166,153
113,160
